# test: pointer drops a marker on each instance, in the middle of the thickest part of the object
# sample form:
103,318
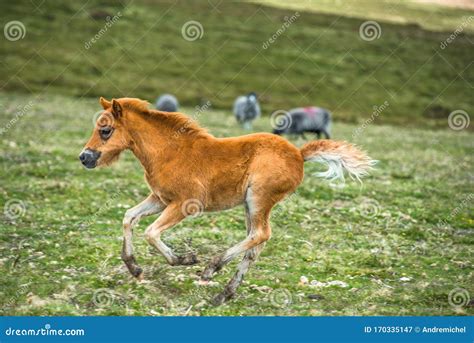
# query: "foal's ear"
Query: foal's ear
116,109
105,103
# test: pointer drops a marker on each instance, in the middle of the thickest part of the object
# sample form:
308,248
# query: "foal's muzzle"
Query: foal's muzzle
89,158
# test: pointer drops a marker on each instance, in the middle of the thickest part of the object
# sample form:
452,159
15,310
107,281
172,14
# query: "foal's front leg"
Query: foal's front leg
149,206
171,216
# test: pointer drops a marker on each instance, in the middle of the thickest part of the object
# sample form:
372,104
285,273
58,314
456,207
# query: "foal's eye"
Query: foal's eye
106,132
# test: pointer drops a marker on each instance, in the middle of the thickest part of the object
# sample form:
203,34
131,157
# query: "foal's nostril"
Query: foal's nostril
89,158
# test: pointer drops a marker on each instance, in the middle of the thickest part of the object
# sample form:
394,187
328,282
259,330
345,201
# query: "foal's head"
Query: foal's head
109,137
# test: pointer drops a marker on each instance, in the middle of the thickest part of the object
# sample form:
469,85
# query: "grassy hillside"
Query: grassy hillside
402,243
430,16
319,59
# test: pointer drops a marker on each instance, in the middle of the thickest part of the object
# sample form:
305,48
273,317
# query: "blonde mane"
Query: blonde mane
134,104
176,121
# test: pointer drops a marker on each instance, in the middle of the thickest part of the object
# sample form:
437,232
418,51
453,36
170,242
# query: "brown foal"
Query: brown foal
189,171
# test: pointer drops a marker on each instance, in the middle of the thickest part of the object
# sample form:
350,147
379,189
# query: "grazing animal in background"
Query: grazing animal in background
195,172
167,103
247,109
307,119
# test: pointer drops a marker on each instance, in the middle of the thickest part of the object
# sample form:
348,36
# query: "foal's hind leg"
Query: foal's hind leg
259,233
229,291
149,206
254,222
258,207
171,216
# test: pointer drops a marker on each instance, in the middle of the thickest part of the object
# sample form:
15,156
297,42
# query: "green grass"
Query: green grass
412,218
320,59
428,16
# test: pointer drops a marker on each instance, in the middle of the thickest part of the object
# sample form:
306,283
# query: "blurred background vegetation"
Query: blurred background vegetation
401,243
320,59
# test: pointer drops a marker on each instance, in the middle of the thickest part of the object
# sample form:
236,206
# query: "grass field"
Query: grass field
320,58
406,12
402,242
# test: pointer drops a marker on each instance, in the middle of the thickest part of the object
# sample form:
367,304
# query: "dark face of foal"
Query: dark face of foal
108,139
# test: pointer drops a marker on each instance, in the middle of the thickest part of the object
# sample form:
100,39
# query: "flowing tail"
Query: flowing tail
339,156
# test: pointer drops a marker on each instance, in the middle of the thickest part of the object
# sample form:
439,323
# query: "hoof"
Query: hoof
206,277
188,260
221,298
207,274
138,273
